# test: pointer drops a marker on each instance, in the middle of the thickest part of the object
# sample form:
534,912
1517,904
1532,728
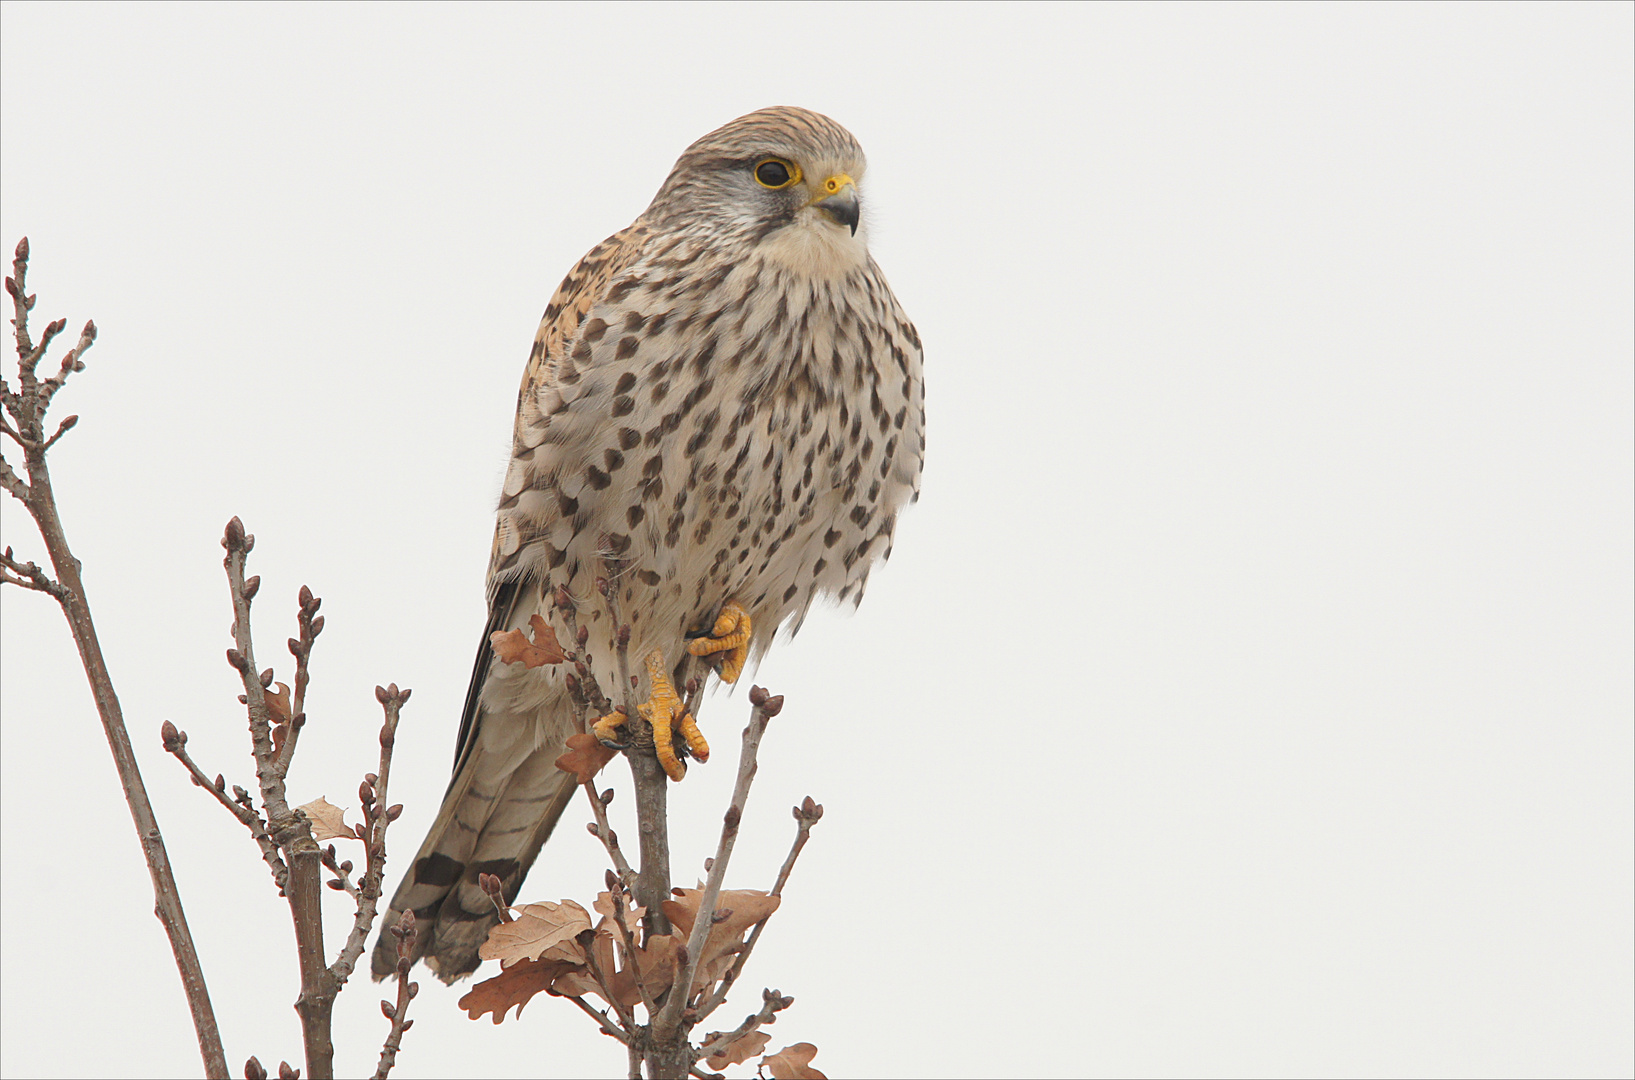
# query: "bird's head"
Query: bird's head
785,180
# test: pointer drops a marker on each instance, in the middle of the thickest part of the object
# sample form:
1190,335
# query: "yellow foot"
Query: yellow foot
664,710
730,635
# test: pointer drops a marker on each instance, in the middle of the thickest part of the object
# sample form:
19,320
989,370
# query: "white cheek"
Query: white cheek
814,246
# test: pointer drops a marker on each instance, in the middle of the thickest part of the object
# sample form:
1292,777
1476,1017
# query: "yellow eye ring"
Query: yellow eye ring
775,174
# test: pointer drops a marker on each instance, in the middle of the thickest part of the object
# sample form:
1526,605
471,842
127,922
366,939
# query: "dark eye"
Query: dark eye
776,174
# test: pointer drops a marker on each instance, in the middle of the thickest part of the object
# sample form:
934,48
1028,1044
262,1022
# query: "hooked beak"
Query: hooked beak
839,200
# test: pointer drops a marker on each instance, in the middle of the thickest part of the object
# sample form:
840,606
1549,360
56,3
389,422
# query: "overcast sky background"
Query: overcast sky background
1249,693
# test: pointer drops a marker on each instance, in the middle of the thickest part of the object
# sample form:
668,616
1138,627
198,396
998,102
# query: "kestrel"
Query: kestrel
722,415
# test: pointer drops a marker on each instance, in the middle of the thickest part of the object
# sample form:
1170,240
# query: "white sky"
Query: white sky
1250,692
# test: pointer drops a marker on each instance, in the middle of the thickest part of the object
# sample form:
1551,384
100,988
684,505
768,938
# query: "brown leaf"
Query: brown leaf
326,821
513,986
543,931
745,908
585,757
738,1050
632,918
513,647
792,1063
278,703
278,706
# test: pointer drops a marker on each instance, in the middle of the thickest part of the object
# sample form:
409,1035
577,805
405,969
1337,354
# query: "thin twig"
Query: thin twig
616,894
175,742
30,576
398,1014
600,1018
379,816
604,832
291,831
765,708
772,1003
27,405
807,814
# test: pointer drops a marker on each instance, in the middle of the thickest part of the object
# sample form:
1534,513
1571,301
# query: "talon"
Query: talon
730,635
604,728
663,709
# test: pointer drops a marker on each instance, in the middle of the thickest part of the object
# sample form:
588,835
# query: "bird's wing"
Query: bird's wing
584,287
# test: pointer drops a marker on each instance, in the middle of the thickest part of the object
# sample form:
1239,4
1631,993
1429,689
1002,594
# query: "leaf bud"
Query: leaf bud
251,587
394,812
335,883
253,1070
171,738
317,626
612,881
286,1071
757,696
733,815
389,1009
236,658
774,706
221,782
266,679
607,797
232,540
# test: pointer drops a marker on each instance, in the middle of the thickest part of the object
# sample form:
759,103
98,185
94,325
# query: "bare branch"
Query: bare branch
30,576
772,1003
311,625
13,483
601,1020
62,429
807,814
289,830
175,743
378,815
404,931
27,404
765,708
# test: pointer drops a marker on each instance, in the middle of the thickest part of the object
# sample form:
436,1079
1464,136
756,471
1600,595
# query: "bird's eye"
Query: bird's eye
775,174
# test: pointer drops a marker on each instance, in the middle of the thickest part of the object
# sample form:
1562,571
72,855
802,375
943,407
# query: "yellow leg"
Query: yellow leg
663,709
730,635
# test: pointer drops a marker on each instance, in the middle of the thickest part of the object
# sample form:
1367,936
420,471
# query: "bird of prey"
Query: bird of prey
723,415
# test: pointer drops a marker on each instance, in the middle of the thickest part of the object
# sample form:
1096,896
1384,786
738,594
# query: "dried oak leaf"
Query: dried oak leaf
738,1050
278,705
513,986
543,931
580,981
632,915
744,908
585,757
326,821
793,1063
513,646
656,961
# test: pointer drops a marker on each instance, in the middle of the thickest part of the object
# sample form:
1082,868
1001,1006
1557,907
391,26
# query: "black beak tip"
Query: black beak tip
844,210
